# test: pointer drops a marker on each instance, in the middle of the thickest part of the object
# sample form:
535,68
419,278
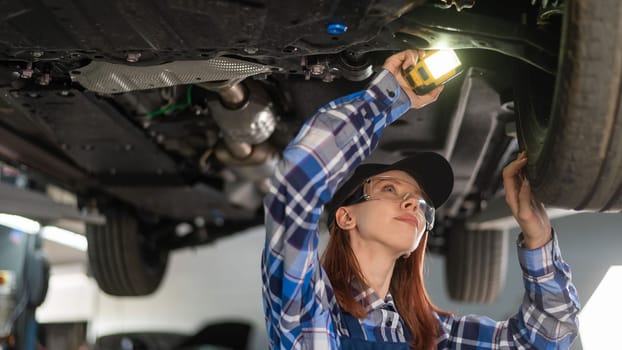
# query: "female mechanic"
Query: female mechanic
367,291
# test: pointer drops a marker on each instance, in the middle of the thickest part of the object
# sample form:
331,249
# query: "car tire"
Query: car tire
120,260
475,264
573,133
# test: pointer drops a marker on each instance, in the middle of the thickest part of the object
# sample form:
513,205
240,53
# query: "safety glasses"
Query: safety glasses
397,190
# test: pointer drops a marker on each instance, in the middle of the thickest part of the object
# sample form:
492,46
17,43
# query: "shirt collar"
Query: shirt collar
368,297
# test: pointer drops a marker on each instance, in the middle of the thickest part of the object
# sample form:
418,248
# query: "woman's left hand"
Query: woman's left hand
402,60
527,210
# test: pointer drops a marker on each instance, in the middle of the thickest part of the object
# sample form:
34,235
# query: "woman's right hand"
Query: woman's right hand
529,213
402,60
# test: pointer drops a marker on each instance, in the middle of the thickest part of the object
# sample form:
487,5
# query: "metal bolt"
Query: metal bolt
183,229
251,50
317,69
199,221
27,73
44,79
133,57
64,93
36,54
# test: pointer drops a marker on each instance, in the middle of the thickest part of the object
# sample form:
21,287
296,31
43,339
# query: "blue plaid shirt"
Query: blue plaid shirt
299,303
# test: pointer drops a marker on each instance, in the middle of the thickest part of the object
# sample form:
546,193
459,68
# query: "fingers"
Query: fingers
527,210
516,166
420,101
434,94
400,60
513,180
525,201
410,59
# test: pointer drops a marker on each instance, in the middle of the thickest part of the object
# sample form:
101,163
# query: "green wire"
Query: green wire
175,107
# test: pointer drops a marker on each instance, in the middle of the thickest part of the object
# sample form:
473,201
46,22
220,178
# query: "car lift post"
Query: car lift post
24,274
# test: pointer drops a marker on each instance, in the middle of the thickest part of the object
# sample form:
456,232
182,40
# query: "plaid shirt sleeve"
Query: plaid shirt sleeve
299,304
547,318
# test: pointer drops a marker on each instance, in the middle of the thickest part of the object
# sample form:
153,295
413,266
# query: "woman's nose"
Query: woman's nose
409,201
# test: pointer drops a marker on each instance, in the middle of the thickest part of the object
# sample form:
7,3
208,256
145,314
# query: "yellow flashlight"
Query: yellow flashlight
434,69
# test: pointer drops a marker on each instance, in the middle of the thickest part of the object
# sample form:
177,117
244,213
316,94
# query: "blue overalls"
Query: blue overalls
357,341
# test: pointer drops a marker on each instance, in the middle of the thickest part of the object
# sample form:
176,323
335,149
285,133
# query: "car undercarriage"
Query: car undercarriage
168,117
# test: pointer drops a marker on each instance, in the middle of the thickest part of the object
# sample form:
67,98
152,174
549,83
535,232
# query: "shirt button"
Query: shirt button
391,93
389,323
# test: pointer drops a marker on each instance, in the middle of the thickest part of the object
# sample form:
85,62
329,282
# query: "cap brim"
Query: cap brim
432,172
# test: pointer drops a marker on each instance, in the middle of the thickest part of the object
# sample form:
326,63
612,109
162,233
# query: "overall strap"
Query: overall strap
352,325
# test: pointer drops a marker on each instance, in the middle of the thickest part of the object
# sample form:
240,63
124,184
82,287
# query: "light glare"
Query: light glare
601,314
20,223
64,237
442,62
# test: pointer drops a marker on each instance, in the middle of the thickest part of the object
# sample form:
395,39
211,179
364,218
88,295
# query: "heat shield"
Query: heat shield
110,78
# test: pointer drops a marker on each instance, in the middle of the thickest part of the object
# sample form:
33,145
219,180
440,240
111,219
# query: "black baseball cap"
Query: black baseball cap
432,172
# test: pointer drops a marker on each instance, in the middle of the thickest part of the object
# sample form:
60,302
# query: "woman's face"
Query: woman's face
390,217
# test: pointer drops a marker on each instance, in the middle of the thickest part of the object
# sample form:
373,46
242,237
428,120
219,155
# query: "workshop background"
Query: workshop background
221,282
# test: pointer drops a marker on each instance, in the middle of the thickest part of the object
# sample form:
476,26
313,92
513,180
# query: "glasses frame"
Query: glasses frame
428,211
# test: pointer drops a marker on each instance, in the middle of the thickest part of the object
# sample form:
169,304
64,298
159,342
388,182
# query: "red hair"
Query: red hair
407,288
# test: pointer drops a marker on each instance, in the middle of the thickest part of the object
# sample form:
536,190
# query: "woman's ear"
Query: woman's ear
343,219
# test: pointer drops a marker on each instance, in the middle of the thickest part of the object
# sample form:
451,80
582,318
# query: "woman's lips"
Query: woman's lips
409,219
